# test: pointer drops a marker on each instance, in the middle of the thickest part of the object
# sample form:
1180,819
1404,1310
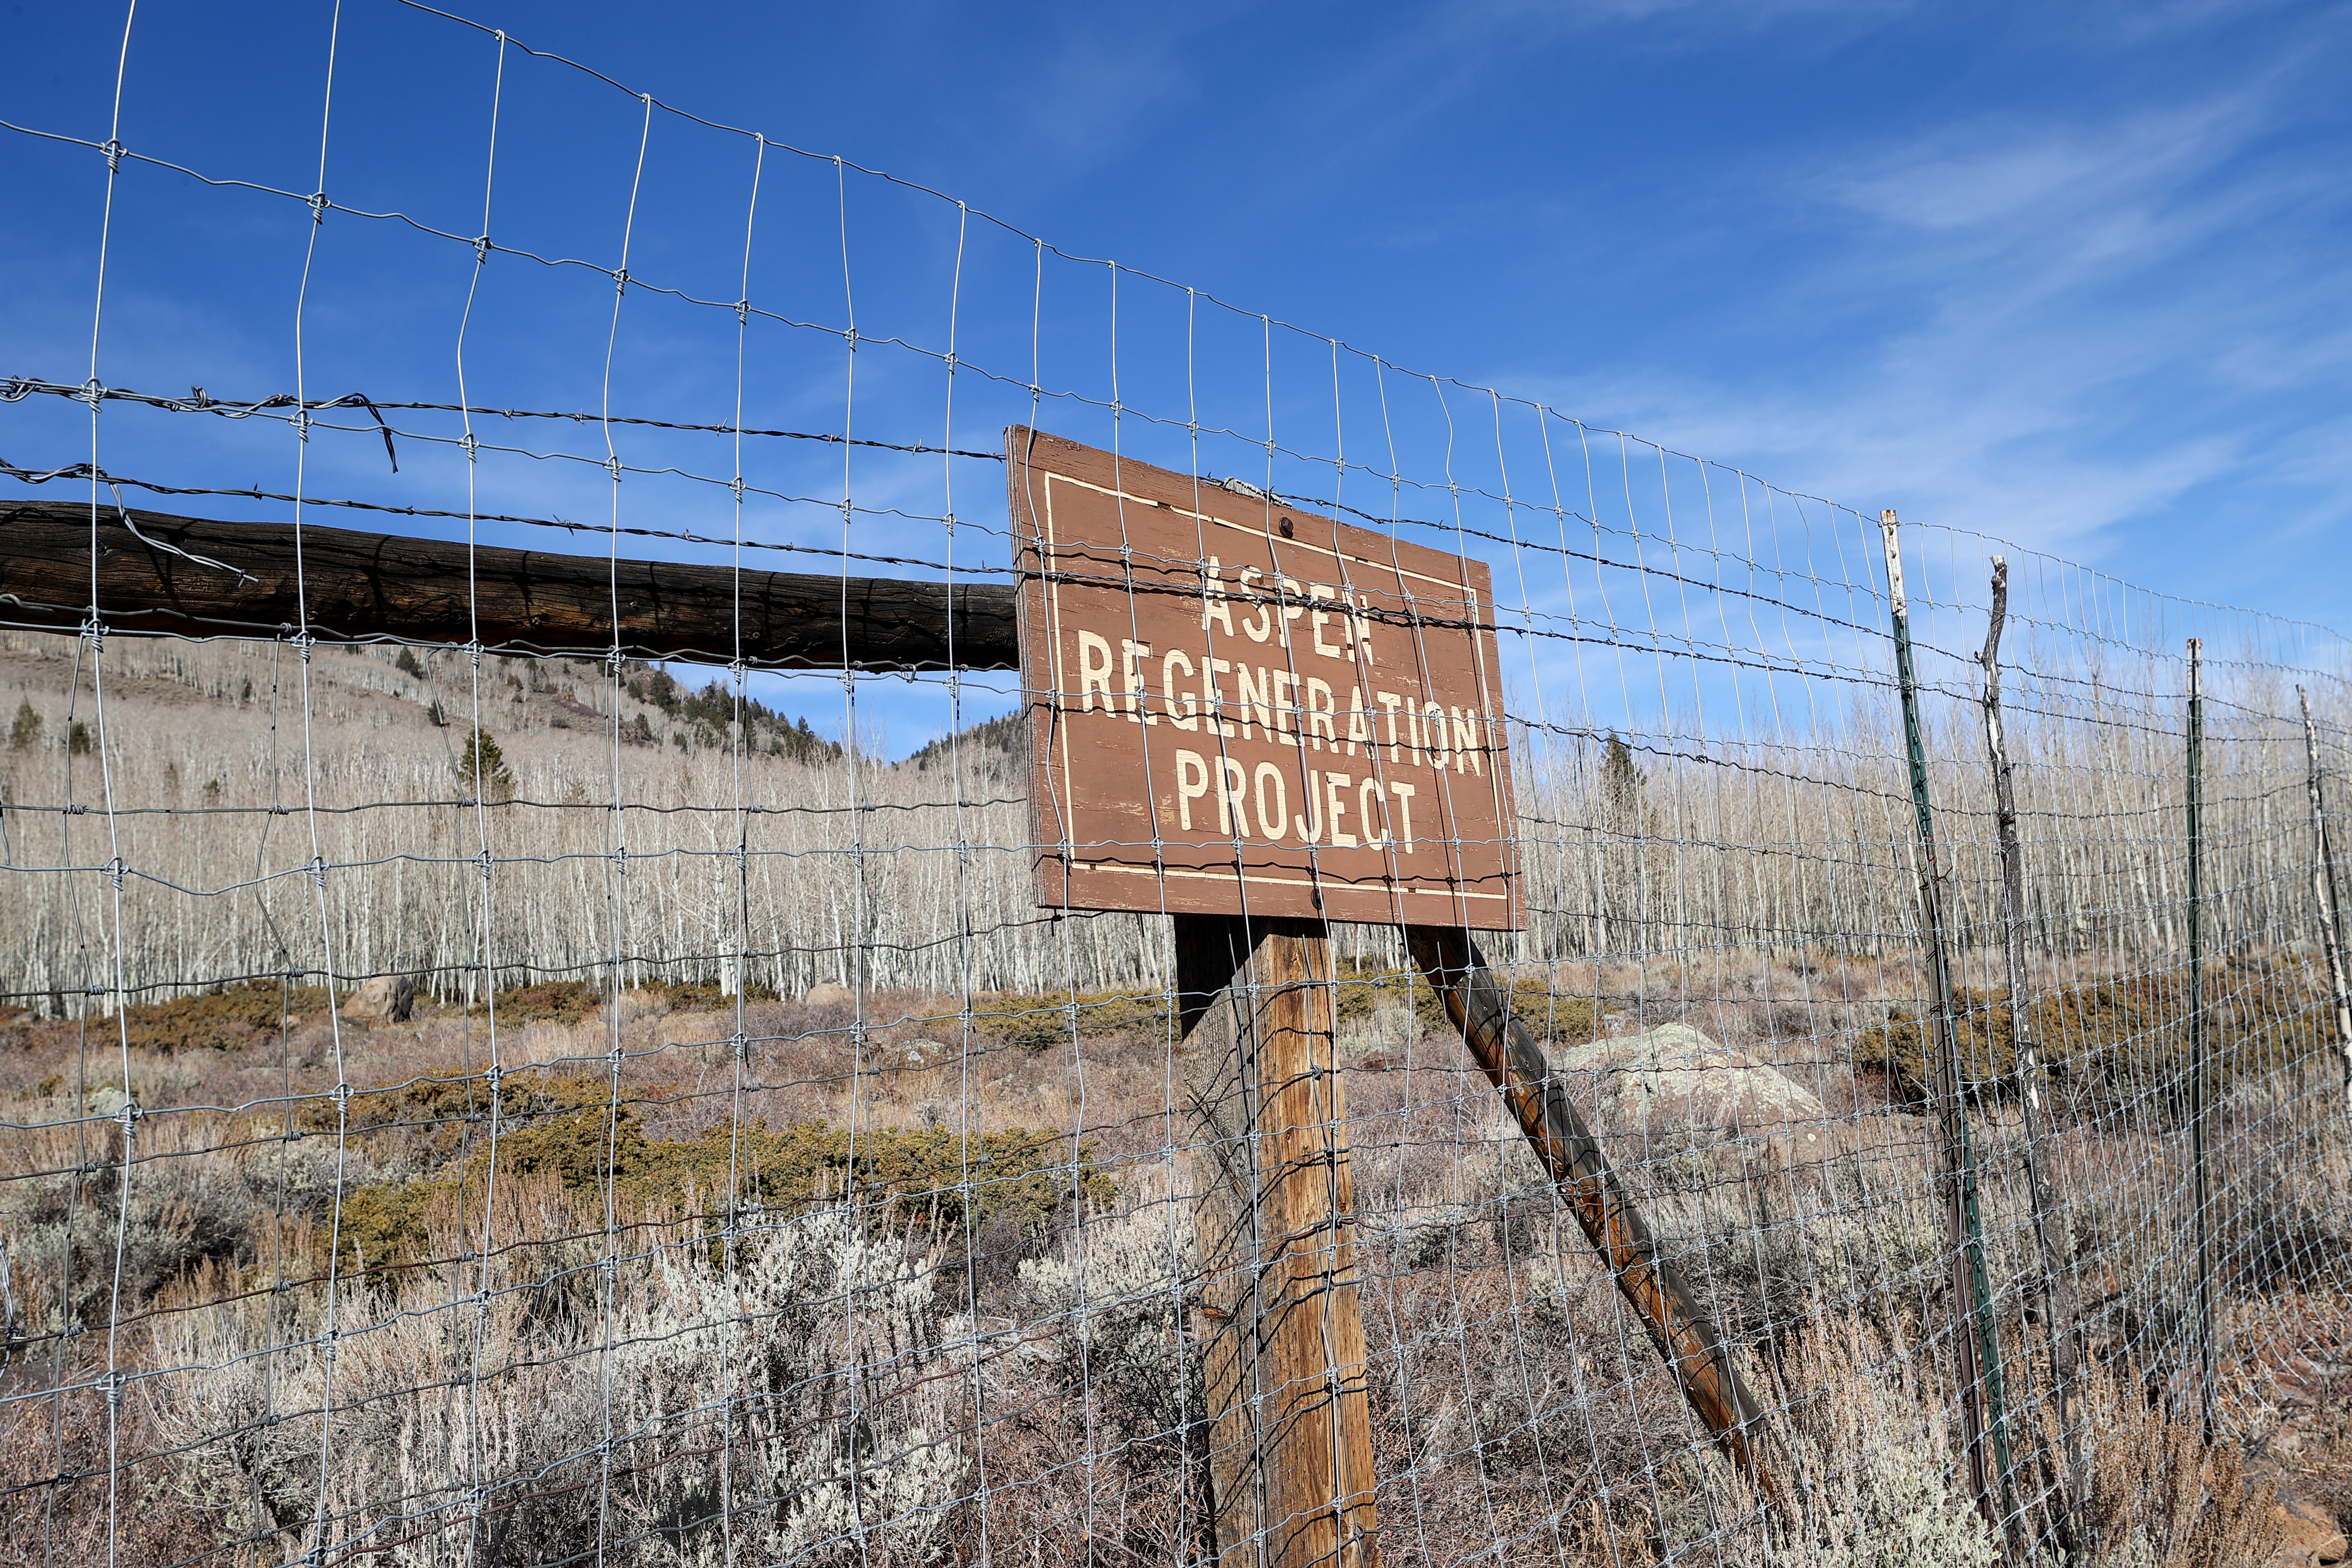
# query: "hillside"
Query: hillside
215,750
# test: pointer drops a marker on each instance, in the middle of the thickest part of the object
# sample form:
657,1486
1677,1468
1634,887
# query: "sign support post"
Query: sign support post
1282,1334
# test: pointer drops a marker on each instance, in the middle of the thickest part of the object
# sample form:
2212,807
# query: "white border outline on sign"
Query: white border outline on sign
1316,881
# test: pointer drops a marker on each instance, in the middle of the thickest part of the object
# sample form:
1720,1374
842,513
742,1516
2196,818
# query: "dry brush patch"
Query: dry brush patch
894,1272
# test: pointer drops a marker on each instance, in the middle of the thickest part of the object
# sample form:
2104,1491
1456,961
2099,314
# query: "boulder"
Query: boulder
827,993
2310,1536
1673,1084
915,1056
388,996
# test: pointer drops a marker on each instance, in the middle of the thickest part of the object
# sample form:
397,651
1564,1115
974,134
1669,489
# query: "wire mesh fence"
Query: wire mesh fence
474,1108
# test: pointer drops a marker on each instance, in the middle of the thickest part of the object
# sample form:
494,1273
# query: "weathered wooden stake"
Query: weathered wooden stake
2056,1279
1291,1454
1976,1342
2323,898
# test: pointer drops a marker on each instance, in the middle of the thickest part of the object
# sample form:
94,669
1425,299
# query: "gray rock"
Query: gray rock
1673,1084
918,1054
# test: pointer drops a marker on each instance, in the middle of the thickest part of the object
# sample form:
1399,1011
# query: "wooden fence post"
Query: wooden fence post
2323,896
2051,1234
1282,1334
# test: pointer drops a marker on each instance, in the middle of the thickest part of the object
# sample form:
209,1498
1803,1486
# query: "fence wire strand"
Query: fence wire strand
632,1123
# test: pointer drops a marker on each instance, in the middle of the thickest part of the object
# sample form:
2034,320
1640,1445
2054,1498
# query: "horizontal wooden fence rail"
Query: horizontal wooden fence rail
182,576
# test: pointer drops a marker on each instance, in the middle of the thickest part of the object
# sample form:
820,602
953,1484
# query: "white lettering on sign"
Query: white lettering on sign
1265,703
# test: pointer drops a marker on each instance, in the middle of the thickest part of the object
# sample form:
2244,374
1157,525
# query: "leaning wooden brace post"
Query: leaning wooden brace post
2324,897
1686,1337
1976,1344
2056,1279
1282,1335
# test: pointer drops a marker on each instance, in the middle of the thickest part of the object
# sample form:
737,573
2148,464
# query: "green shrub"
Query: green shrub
225,1020
1549,1016
574,1001
482,768
438,1119
550,1002
567,1128
1044,1018
1039,1020
2121,1037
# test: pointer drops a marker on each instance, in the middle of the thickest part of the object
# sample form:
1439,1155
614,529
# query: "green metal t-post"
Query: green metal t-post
2196,802
1978,1342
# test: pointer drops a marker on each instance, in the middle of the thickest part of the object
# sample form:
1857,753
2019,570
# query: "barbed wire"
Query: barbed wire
641,1129
17,388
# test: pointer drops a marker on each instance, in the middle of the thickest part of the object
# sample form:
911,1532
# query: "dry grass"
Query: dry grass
1037,1353
2158,1494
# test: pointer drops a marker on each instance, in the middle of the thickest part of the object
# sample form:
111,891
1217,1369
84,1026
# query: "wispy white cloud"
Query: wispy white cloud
2000,179
2072,326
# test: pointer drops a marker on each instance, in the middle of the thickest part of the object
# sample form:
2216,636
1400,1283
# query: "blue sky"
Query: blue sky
2069,275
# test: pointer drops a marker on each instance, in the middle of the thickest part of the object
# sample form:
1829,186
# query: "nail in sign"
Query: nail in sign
1243,708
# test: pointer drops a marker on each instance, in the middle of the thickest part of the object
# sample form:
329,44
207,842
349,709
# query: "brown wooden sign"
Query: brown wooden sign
1243,708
